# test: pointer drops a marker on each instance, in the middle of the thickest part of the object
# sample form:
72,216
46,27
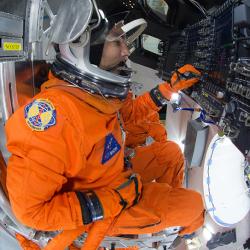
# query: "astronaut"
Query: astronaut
79,158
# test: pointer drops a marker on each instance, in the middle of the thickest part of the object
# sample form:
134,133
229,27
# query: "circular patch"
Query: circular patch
40,114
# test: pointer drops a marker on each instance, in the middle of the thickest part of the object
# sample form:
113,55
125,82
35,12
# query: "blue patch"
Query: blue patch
110,149
40,114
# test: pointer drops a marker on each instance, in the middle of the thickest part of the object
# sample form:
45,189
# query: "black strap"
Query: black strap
132,178
123,202
94,205
157,97
91,206
86,214
136,190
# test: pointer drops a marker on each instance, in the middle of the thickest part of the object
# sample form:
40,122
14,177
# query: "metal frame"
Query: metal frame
37,38
8,104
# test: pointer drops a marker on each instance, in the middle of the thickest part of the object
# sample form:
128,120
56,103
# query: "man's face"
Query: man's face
114,52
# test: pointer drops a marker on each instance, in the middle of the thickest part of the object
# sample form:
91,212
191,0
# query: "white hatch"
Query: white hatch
225,190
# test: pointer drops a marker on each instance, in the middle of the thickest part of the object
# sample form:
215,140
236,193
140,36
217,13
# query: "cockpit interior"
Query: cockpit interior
210,121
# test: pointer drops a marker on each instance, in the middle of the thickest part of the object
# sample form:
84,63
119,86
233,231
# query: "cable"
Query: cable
202,116
200,7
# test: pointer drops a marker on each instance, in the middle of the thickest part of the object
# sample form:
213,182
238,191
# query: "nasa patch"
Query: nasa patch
110,149
40,114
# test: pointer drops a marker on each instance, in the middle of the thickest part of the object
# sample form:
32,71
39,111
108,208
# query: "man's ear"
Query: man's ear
95,54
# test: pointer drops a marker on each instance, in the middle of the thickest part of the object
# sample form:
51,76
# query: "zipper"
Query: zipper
144,226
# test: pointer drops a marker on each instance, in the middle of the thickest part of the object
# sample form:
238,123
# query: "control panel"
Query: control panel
11,37
219,46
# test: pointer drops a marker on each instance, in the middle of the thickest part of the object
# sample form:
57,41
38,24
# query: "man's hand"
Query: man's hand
183,78
123,193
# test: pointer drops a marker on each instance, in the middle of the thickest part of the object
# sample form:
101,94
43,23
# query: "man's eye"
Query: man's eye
117,43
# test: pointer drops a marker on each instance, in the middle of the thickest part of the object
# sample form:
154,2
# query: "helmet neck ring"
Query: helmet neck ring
66,71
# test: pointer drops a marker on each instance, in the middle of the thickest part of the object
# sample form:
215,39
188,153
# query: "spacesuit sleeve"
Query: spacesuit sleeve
35,197
139,109
141,119
37,171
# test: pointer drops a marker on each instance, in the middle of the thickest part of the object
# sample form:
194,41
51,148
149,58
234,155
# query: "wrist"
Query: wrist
91,206
158,98
110,201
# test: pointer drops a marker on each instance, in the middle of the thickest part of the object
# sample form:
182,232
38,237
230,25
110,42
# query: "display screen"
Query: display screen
15,7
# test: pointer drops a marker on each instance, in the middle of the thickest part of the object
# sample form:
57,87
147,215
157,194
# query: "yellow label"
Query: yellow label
12,46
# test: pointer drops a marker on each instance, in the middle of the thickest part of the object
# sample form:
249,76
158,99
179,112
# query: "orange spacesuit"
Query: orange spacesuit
60,148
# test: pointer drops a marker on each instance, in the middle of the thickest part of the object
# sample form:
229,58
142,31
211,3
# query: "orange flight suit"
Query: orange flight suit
47,167
3,173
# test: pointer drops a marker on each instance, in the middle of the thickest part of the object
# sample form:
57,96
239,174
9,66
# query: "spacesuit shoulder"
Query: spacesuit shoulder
41,118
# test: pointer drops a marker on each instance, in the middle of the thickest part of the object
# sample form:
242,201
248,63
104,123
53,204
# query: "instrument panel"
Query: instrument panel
219,46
